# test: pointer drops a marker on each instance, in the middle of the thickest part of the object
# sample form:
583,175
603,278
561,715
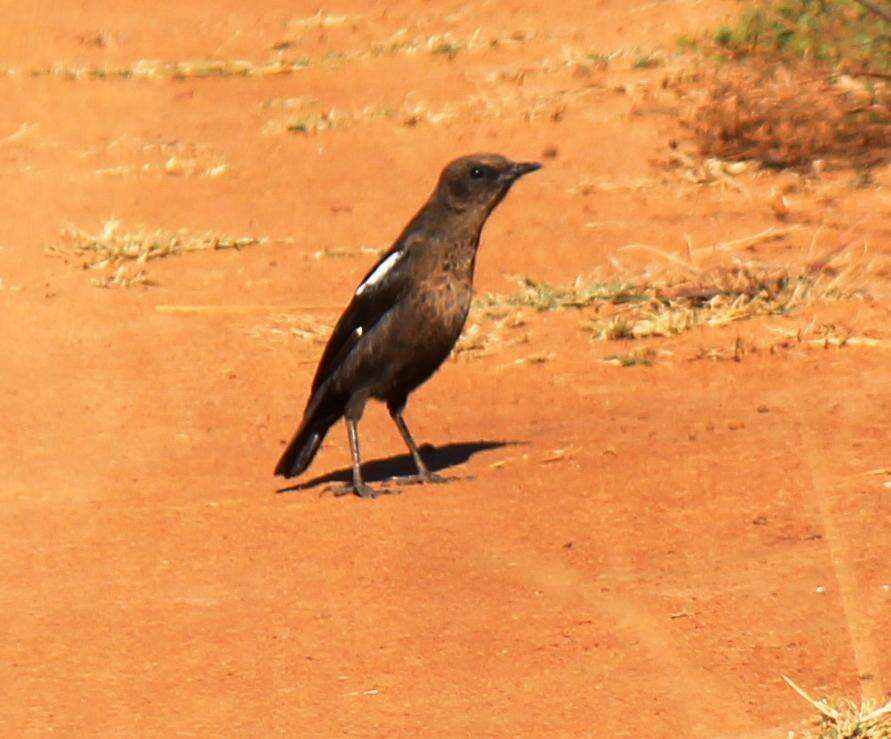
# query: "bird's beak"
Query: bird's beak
515,171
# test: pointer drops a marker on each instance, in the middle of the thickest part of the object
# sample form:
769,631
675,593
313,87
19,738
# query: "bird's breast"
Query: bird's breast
444,304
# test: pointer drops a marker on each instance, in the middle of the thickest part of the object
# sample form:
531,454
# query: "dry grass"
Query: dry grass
129,155
316,121
788,115
151,69
173,166
401,43
489,331
541,296
335,252
324,19
784,340
722,353
709,170
584,63
636,357
665,303
710,287
845,719
826,336
446,44
121,256
304,327
714,298
404,43
310,118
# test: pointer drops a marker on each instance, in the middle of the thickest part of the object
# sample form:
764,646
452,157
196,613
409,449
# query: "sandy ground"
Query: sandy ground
639,551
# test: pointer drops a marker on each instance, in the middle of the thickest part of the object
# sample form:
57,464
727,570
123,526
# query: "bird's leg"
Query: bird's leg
424,475
358,485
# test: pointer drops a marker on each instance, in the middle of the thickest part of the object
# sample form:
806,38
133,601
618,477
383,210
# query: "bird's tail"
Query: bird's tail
306,442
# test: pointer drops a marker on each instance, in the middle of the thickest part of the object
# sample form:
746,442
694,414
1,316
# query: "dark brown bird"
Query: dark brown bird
405,316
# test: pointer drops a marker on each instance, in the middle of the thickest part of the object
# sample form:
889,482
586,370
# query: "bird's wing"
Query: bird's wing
378,292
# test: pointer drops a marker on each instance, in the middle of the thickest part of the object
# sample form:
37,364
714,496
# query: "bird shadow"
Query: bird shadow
399,465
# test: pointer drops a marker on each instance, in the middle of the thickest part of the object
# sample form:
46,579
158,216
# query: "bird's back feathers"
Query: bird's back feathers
361,316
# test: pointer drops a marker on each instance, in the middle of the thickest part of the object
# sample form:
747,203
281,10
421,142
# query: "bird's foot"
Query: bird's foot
423,478
362,490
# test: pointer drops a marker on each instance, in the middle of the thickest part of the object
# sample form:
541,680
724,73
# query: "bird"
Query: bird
405,317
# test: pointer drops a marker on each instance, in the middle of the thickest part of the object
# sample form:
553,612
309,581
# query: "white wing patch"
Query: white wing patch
358,331
379,273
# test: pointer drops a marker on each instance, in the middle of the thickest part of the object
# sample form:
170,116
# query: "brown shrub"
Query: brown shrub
789,116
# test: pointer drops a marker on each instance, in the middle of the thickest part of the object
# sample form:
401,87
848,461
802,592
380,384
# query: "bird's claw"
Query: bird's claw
362,490
423,478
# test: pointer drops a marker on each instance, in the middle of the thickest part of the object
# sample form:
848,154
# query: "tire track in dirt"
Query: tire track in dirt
828,435
685,683
860,610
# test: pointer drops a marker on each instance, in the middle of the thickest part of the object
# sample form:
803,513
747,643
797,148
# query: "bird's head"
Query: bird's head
479,182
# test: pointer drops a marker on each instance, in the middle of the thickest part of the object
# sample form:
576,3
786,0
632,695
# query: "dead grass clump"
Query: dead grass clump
495,319
715,299
151,69
710,170
734,353
713,287
122,255
845,719
783,340
723,295
129,155
302,327
635,358
445,44
789,116
401,43
311,121
489,330
310,118
542,296
826,335
324,19
340,252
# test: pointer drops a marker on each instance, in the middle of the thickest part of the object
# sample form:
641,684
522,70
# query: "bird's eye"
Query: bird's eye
476,172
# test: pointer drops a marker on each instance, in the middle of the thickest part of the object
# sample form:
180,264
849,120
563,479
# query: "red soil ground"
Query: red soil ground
704,527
